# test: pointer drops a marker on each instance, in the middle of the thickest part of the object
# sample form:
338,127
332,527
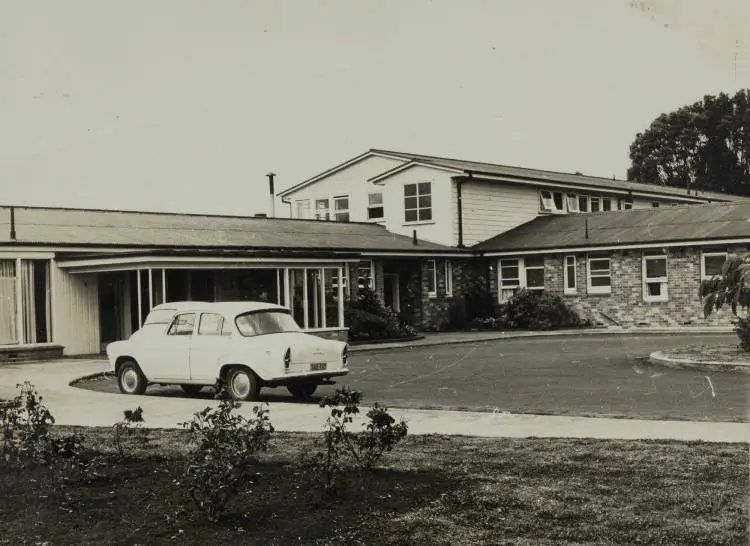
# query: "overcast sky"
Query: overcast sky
185,105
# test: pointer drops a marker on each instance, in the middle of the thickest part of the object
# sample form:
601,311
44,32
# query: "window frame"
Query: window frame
336,211
174,322
662,280
200,324
597,200
320,210
547,203
590,289
583,200
448,274
572,198
418,209
430,264
708,254
522,278
371,206
303,204
568,290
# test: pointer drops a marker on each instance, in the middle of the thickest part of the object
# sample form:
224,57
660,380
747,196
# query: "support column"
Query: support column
140,298
19,304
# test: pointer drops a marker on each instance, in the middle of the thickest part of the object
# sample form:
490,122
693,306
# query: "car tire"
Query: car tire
130,378
242,384
302,391
191,390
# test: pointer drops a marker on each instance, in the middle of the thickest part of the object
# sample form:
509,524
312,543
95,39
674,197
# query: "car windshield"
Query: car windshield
160,316
258,323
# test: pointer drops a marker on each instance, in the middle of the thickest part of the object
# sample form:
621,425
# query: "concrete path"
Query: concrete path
74,406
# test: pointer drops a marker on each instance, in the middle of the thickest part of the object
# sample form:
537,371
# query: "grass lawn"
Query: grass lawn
435,490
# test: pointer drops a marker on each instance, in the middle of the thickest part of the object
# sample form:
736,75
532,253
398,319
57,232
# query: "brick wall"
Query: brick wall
436,311
625,304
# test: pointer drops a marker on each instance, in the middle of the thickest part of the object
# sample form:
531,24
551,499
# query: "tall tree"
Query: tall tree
701,146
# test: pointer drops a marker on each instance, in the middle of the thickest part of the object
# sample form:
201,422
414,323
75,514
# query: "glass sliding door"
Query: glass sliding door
297,294
331,281
8,310
35,298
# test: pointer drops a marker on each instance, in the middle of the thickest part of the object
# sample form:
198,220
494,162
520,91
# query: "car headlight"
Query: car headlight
287,358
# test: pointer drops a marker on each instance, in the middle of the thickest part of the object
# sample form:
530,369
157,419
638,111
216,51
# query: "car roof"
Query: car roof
235,307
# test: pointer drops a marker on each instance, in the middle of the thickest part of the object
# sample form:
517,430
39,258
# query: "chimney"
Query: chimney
414,237
12,223
272,196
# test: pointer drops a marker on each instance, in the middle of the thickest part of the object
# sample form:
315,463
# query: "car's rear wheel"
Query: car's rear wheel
302,391
242,384
191,390
130,379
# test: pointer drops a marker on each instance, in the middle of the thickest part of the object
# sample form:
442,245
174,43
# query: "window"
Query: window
655,204
551,201
341,208
418,202
599,275
258,323
321,209
655,278
606,204
627,204
182,325
510,278
366,274
375,209
448,278
594,204
518,273
583,203
711,263
8,302
431,278
569,275
210,324
302,208
160,316
572,202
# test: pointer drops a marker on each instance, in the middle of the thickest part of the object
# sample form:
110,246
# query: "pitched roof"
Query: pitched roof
494,169
85,227
704,223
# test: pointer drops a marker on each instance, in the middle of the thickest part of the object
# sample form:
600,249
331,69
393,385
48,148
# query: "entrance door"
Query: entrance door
390,291
111,312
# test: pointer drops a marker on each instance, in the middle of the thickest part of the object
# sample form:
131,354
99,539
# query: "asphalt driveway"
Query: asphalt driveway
603,376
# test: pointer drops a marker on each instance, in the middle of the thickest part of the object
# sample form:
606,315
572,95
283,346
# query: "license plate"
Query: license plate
317,366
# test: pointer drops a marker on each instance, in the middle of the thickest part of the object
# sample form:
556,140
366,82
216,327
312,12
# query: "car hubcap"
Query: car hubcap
241,384
130,380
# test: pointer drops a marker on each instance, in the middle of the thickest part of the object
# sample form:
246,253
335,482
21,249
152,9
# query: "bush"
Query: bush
365,449
742,329
226,454
368,318
130,425
24,428
531,310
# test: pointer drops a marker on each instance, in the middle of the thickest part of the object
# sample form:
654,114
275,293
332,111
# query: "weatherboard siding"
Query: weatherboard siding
75,312
493,208
351,181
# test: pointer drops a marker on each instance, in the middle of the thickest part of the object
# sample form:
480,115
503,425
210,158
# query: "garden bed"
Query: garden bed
728,354
435,490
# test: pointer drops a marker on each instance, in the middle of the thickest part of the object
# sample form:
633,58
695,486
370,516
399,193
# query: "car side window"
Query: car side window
210,324
182,325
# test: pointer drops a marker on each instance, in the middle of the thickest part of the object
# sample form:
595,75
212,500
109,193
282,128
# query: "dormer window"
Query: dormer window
551,201
572,200
341,208
375,210
321,209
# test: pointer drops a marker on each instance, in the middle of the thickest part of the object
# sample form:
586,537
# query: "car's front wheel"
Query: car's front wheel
130,379
191,390
302,391
242,384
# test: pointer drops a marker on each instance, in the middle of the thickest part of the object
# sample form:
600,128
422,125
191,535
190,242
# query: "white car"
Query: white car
248,345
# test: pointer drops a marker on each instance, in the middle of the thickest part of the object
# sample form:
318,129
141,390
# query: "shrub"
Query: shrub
742,329
224,460
130,425
24,425
732,287
368,318
533,310
365,449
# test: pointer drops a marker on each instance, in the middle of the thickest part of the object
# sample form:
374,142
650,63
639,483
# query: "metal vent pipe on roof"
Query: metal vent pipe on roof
12,223
414,237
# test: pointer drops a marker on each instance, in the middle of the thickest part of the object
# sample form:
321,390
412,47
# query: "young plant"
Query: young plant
731,287
130,425
24,428
225,458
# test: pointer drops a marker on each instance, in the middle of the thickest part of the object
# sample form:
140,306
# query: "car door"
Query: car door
209,346
172,356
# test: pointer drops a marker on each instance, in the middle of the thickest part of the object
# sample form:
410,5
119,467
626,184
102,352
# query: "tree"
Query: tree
732,287
702,146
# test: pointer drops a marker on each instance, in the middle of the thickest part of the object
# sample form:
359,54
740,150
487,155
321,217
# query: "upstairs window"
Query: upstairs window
655,204
606,204
302,209
627,204
375,210
321,209
572,200
341,208
595,204
655,277
418,202
583,203
551,201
